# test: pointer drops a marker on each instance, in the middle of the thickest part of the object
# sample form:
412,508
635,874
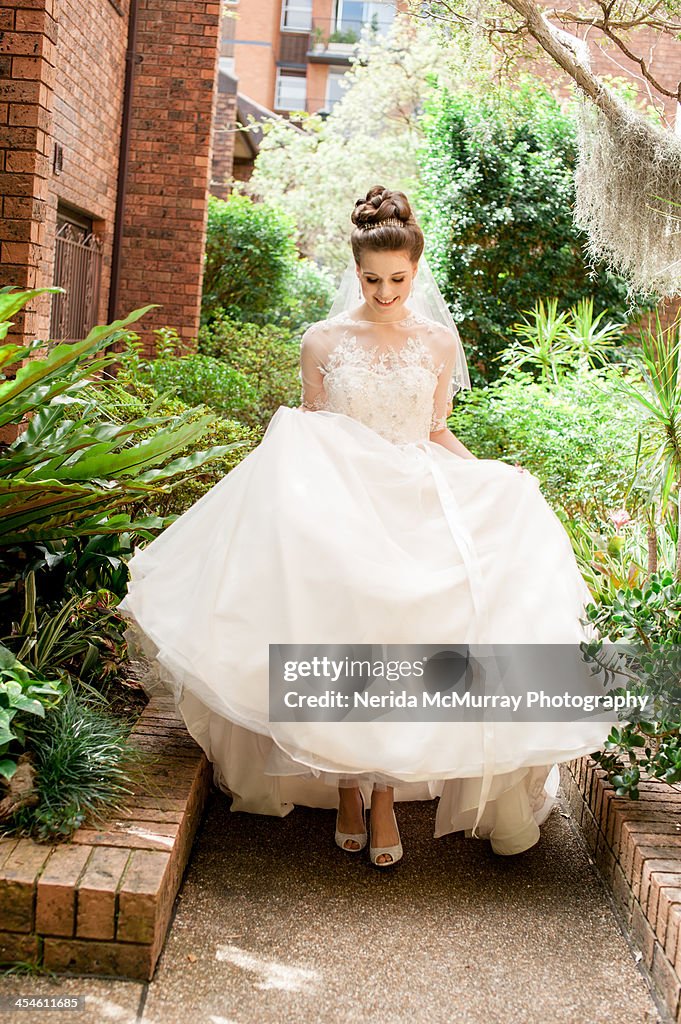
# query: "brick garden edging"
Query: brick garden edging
102,903
636,844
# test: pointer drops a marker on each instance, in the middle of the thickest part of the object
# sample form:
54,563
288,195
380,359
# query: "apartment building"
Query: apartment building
291,55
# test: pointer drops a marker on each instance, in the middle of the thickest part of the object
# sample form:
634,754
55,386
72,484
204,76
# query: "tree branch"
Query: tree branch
642,64
540,29
610,17
646,20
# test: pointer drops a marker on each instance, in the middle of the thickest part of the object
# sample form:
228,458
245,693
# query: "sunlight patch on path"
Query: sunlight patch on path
135,830
110,1011
272,973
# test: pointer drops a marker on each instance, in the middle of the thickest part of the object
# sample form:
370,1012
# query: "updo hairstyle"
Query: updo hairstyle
383,220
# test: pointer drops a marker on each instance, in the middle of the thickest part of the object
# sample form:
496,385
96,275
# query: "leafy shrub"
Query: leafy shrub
253,272
650,613
79,565
249,253
75,635
497,191
85,766
238,438
70,471
132,391
198,378
309,293
266,356
648,619
23,693
575,436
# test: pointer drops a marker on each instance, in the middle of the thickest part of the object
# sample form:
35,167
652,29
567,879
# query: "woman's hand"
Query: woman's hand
450,441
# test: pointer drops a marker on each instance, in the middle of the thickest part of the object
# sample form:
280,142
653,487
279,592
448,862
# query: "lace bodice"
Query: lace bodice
398,378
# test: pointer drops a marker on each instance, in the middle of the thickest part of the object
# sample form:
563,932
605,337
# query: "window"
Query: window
296,15
352,15
334,88
291,91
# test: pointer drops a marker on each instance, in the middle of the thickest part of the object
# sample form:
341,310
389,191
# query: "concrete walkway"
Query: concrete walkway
275,924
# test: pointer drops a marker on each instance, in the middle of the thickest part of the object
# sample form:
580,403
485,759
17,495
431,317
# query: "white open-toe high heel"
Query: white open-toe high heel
356,837
395,851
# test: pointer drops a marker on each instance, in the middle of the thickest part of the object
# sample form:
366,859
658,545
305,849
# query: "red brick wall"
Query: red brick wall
28,33
170,155
223,138
88,102
54,95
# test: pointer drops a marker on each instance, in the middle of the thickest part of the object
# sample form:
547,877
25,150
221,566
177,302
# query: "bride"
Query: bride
361,518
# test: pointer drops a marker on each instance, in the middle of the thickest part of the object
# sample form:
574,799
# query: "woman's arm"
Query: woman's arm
445,355
312,396
448,440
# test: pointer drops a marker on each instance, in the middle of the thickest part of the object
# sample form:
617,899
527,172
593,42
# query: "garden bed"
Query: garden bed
637,847
102,903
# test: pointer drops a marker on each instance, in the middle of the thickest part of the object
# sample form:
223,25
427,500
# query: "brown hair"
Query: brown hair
383,220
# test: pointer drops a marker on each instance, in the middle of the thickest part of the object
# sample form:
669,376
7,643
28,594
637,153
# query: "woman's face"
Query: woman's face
385,279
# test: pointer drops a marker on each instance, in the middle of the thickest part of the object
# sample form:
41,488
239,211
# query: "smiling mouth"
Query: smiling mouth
386,303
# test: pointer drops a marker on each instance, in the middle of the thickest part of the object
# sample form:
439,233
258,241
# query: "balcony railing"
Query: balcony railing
331,38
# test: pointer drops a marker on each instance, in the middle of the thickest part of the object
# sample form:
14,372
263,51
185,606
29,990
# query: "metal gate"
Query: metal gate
77,269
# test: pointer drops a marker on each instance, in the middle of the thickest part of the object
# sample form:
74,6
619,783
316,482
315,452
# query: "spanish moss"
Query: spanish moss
628,184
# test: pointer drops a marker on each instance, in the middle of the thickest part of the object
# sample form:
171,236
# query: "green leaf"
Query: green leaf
34,707
7,768
12,301
26,384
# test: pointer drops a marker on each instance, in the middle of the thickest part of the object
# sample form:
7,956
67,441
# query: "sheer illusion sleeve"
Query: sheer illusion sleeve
447,383
312,369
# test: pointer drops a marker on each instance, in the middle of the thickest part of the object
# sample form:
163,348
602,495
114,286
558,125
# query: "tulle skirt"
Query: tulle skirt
327,533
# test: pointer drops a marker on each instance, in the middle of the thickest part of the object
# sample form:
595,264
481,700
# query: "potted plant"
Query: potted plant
344,40
318,42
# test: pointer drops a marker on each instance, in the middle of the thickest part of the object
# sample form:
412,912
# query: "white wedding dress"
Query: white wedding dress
348,524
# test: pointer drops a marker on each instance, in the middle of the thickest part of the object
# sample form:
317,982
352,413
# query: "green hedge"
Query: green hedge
497,191
575,436
266,356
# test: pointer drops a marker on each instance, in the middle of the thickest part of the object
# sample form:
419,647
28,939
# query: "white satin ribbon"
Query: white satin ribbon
464,543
